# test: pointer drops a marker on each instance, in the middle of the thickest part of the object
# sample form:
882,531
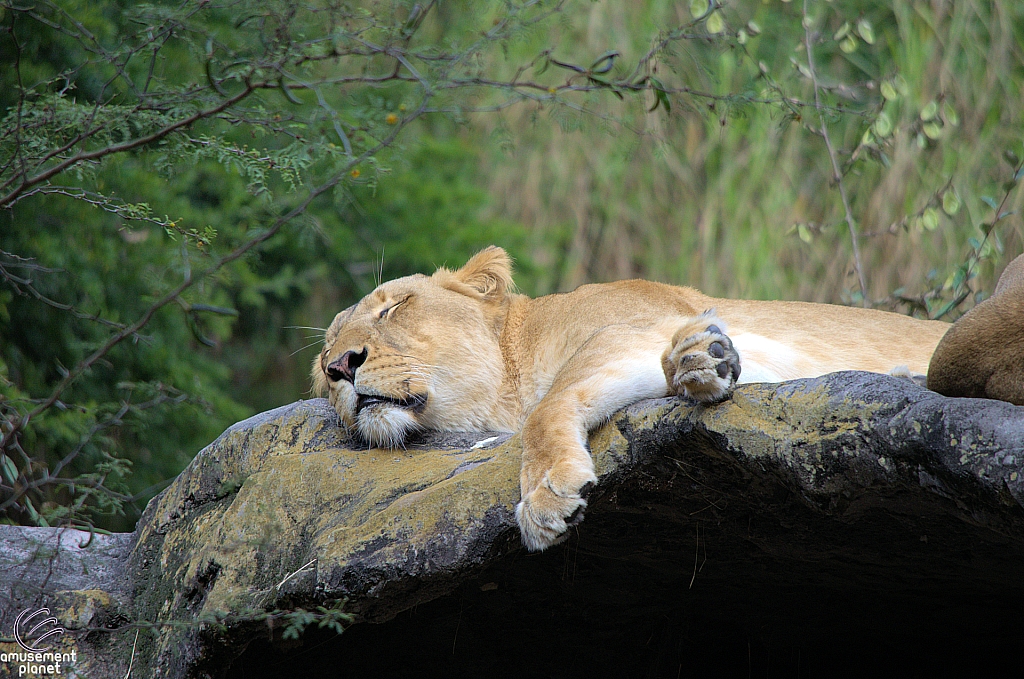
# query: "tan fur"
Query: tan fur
982,355
460,351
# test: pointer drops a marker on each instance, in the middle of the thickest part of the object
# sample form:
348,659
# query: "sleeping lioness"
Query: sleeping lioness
982,355
459,351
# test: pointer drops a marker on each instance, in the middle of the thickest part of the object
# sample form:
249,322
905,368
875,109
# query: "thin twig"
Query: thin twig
837,174
84,156
131,660
16,426
289,577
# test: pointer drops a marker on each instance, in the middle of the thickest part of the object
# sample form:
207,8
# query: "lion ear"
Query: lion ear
487,275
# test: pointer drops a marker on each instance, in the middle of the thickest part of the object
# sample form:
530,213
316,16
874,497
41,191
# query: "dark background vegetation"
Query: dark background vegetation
385,138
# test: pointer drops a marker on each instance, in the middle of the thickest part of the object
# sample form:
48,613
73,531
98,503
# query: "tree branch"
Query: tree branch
84,156
837,174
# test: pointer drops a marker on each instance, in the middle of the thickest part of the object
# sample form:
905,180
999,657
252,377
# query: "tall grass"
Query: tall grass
708,194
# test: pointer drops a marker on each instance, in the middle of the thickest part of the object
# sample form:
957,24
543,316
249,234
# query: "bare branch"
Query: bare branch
25,285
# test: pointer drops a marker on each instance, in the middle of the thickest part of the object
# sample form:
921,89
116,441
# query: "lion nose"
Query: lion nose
344,368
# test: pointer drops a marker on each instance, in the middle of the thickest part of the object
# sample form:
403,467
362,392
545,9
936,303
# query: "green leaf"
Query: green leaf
663,96
946,308
930,219
987,250
959,276
950,202
849,44
604,63
949,114
888,91
753,28
900,83
932,130
990,201
1011,157
804,233
883,125
866,32
10,471
660,96
929,111
843,31
605,84
741,37
698,8
715,24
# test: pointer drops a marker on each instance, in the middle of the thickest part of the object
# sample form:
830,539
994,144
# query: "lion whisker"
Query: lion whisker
311,344
415,370
418,361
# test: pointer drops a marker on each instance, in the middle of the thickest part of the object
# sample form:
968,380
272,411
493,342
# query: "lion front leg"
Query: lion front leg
701,361
556,476
617,366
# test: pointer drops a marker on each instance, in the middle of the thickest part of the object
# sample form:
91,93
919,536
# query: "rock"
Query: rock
80,578
803,526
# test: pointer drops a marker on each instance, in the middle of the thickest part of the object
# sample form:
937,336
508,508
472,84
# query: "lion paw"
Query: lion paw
702,362
549,510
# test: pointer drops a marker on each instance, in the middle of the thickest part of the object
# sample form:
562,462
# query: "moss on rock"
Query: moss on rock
285,512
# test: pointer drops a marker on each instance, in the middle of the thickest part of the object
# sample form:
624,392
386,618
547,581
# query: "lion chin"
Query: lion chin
386,424
461,351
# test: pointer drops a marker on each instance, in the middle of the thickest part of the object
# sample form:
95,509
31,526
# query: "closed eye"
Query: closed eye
387,310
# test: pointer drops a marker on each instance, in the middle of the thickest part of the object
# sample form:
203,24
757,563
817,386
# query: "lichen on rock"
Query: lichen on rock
284,511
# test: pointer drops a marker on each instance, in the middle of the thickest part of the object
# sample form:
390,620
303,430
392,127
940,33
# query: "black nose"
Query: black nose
344,368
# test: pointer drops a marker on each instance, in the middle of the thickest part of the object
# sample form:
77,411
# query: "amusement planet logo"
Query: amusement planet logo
34,630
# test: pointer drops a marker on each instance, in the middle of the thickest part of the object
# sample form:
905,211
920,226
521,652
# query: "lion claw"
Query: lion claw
545,514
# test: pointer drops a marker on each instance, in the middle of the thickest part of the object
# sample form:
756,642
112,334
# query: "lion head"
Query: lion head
420,352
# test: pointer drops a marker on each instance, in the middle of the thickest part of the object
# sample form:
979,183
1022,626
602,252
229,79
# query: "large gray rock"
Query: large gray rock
798,525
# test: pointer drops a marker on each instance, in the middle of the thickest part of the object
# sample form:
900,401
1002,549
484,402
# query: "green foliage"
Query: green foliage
147,151
293,622
736,196
183,182
191,190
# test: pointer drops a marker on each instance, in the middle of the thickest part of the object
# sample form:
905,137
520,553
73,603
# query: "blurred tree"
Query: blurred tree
738,196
